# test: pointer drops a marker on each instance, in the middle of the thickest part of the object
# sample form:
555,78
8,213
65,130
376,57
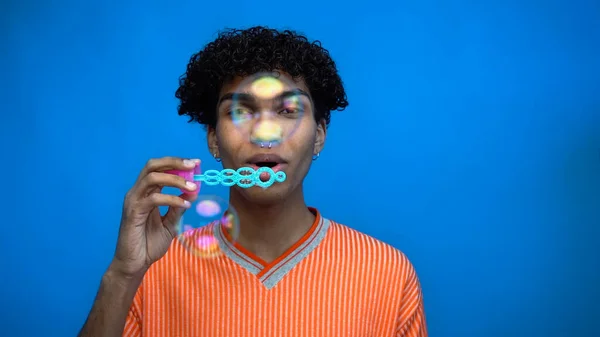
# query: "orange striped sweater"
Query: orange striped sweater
334,282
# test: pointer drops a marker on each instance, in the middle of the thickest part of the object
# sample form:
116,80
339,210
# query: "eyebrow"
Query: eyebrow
245,97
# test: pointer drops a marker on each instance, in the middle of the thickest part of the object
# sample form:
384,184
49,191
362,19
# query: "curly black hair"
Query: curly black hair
238,52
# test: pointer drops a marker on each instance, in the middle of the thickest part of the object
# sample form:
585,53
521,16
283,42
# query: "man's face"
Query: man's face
231,140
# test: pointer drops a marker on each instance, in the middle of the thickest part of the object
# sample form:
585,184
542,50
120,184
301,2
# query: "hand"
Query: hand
145,235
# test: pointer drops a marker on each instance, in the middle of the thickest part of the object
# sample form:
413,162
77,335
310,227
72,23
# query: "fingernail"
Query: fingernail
186,204
197,161
188,163
190,185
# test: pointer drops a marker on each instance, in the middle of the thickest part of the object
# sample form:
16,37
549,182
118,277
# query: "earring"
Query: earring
315,157
217,158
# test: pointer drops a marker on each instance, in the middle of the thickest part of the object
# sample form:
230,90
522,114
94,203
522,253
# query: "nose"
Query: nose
266,131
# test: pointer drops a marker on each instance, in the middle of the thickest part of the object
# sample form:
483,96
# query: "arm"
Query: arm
111,315
143,239
411,318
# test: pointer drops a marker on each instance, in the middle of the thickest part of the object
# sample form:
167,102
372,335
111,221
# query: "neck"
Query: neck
269,230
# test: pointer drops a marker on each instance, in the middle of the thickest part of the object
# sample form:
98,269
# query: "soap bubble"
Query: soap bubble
267,108
209,220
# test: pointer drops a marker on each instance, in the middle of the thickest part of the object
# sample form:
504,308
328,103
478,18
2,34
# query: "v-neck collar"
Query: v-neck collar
269,274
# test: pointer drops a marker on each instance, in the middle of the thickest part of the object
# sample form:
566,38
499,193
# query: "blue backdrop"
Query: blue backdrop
481,121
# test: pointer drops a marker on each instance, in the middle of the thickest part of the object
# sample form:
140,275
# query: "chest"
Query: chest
240,305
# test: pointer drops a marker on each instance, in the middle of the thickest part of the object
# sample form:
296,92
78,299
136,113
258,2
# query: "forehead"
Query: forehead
244,83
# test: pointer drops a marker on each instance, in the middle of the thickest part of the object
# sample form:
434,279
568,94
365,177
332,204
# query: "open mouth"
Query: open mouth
273,165
271,161
269,164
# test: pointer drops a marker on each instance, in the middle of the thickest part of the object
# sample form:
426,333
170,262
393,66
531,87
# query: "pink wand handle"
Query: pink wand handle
188,175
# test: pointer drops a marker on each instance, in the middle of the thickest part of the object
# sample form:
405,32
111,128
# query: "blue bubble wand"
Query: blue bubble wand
244,177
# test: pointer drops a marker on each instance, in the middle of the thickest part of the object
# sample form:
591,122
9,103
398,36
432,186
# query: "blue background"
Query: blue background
476,125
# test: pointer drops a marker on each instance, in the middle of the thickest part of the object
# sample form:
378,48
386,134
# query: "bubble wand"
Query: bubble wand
244,177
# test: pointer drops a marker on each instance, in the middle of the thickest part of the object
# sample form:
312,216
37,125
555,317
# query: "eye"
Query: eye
291,107
240,113
289,111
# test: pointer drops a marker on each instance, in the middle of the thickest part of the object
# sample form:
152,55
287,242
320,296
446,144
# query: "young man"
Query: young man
292,272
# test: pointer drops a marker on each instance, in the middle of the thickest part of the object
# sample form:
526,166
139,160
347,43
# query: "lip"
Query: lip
281,164
266,157
276,168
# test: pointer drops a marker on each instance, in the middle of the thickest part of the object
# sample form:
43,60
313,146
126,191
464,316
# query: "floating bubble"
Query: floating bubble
208,208
267,108
210,219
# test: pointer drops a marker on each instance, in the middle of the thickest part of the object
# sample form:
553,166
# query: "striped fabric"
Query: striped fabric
334,282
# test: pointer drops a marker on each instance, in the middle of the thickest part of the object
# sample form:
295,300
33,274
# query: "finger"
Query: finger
159,199
158,180
171,218
167,163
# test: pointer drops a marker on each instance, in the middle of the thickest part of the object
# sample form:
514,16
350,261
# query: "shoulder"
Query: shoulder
370,253
361,244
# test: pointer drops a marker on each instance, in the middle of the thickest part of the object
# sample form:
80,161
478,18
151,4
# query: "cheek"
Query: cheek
304,162
303,139
229,137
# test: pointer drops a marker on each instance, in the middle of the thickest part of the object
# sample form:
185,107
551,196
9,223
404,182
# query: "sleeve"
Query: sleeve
411,318
133,322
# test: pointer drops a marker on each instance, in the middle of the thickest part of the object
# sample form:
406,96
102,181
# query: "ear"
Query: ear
320,136
213,143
